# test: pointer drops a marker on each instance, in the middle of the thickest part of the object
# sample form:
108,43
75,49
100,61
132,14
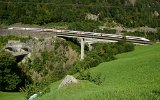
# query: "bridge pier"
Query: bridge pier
90,46
82,48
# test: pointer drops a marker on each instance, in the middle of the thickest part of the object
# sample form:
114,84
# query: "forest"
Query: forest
130,13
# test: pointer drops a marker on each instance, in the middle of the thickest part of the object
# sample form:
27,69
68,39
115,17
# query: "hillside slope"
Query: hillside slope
130,13
134,75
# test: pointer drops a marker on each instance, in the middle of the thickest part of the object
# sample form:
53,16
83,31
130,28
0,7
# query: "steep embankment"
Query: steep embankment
134,75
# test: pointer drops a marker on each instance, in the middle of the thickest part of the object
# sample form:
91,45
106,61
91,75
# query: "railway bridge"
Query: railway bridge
88,37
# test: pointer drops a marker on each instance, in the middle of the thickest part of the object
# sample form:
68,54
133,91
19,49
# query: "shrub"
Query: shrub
9,72
86,75
36,87
123,46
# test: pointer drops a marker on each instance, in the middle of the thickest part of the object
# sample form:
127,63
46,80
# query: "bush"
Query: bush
86,75
36,87
123,46
9,72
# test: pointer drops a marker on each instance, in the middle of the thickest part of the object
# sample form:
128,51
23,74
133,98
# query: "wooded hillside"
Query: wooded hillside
130,13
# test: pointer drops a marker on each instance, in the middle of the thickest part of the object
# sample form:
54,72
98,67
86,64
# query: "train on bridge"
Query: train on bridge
103,36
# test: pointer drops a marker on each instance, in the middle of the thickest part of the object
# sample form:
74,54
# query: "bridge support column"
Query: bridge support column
90,46
82,48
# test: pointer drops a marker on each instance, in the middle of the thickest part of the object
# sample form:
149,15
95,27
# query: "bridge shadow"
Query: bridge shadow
75,41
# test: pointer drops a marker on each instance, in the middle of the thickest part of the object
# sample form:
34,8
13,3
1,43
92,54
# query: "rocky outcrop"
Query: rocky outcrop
67,80
17,46
156,13
92,17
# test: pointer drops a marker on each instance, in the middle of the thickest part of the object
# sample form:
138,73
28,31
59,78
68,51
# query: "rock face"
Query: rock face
68,80
92,17
156,13
17,47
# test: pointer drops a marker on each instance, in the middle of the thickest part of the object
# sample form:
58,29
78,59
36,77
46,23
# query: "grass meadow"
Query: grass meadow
132,76
11,96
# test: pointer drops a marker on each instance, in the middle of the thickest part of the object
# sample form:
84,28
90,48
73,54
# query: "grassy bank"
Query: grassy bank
134,75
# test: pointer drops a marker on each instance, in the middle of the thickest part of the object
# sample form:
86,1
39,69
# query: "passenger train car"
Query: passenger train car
136,39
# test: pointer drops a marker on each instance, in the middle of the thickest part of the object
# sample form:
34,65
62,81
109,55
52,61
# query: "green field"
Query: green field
133,76
11,96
